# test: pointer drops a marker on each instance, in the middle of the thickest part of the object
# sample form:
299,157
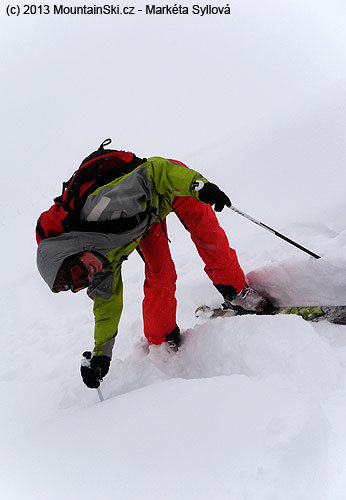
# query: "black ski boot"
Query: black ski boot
173,339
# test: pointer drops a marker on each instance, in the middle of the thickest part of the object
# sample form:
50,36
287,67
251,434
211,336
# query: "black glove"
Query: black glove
93,369
211,194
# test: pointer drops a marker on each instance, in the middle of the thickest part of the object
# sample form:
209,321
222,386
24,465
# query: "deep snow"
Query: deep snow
250,407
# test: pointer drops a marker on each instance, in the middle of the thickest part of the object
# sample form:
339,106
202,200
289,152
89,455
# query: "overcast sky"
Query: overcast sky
170,85
150,81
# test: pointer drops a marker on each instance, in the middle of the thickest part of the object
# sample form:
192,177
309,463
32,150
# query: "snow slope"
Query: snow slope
250,407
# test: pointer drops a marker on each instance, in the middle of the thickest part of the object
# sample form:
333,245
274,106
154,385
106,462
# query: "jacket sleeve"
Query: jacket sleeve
174,178
108,305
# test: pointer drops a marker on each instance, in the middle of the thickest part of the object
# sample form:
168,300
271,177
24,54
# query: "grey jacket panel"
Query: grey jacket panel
101,285
125,199
52,252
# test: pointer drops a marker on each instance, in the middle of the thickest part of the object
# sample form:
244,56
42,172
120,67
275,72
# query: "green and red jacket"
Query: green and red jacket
149,191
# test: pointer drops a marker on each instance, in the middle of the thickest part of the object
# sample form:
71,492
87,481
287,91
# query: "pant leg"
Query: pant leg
221,262
159,304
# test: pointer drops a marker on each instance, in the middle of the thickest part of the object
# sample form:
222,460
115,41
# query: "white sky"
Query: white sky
176,86
151,81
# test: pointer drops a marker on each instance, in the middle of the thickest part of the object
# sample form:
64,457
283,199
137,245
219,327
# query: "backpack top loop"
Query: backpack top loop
106,142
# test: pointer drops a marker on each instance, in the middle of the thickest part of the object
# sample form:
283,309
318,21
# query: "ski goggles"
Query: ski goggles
72,275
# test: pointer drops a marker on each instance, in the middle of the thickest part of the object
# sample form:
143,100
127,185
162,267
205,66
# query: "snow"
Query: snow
250,407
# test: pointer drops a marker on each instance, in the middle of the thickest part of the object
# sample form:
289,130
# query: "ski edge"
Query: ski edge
333,314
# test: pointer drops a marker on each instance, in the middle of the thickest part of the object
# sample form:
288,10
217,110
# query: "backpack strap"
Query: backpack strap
115,226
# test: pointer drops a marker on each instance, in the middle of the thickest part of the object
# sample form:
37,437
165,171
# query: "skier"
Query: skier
78,259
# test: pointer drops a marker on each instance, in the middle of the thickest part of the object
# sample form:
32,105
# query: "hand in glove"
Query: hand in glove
213,195
93,369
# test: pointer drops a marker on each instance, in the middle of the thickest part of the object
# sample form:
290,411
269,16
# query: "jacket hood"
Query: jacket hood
52,252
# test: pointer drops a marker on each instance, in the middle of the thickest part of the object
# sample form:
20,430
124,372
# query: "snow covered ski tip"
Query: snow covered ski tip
333,314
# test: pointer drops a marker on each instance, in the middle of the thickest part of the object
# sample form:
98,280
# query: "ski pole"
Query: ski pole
240,212
99,392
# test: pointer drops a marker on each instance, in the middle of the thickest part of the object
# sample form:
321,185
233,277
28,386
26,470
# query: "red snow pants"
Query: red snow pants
221,264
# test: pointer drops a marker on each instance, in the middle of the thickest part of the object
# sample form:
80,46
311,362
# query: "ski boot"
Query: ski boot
247,301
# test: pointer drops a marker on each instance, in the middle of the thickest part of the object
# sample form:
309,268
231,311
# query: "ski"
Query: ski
333,314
